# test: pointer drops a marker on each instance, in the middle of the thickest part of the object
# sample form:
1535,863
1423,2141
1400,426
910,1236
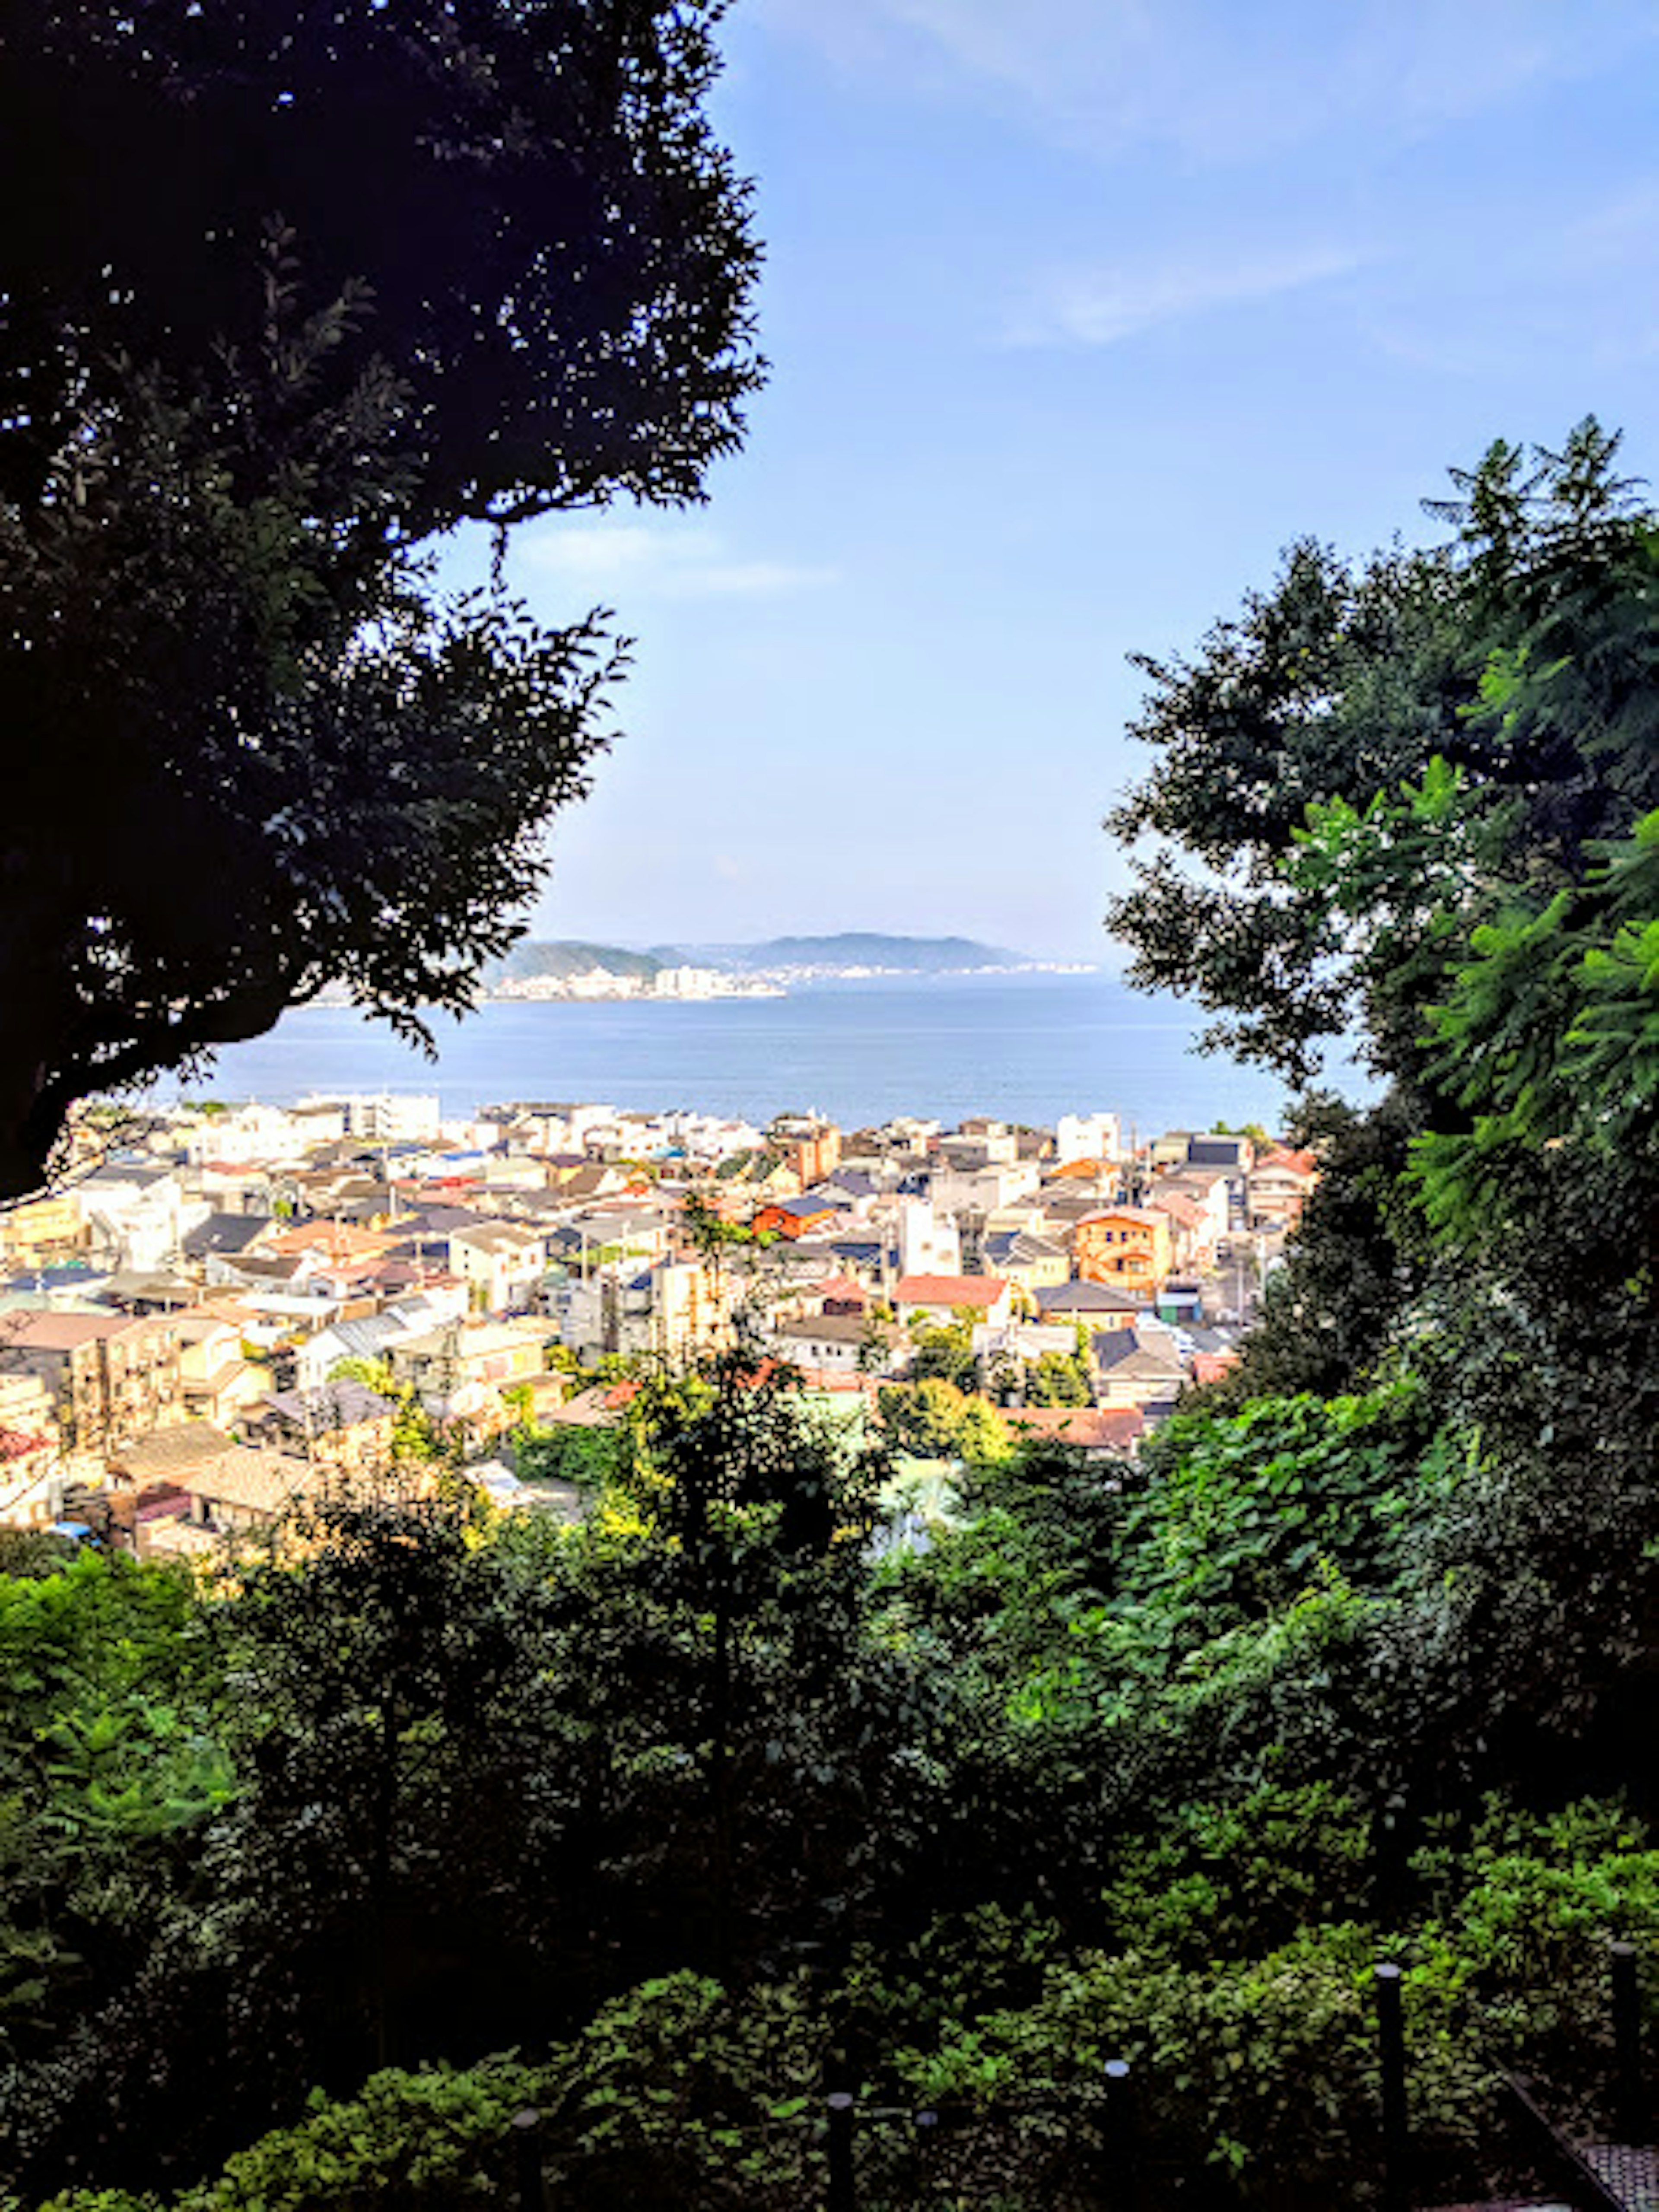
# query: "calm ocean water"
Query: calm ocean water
1024,1048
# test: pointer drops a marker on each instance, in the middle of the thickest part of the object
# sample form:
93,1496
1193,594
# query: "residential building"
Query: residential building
372,1337
1099,1432
1279,1185
496,1353
501,1262
834,1343
42,1230
1234,1156
672,1307
109,1377
245,1488
1127,1247
1139,1367
806,1216
343,1425
1088,1137
216,1383
809,1146
29,1451
136,1215
1030,1262
928,1242
936,1300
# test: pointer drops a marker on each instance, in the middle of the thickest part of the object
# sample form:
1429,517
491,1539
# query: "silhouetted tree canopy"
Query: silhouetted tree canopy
1522,655
284,290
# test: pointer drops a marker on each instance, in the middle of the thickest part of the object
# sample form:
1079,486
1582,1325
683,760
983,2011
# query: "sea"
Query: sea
1025,1048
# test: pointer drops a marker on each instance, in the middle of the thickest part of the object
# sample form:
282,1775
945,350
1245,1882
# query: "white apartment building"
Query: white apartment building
1088,1137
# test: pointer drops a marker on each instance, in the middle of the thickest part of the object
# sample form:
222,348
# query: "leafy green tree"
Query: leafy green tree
393,1717
945,1355
112,1767
367,275
934,1419
1455,854
1347,680
746,1751
1061,1378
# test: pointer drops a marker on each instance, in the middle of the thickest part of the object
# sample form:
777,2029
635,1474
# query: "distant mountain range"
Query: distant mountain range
853,948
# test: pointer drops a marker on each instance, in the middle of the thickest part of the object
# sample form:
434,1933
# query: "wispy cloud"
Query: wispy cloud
1218,82
1102,307
1483,299
663,562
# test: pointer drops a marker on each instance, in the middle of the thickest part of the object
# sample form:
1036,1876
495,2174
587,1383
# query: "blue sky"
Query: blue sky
1077,312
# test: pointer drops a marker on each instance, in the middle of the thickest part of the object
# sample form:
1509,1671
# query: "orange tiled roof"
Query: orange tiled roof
1097,1427
950,1290
339,1240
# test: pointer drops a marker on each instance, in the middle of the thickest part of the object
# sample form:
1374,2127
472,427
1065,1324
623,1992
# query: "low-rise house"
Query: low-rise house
515,1171
1172,1149
936,1300
372,1337
444,1360
1208,1193
1023,1341
1192,1242
984,1189
245,1488
1140,1368
344,1425
1126,1246
1064,1204
760,1171
834,1344
501,1262
324,1242
168,1457
580,1182
1279,1186
216,1382
1030,1261
221,1237
806,1216
1097,1306
1233,1155
865,1260
1099,1432
855,1188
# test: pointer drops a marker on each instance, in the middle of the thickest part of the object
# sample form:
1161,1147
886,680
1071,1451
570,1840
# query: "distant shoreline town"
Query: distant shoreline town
222,1306
688,983
540,969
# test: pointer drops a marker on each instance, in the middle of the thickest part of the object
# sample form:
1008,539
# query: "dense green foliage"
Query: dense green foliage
727,1791
287,291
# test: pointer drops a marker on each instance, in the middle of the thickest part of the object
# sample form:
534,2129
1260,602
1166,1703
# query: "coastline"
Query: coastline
1025,1048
